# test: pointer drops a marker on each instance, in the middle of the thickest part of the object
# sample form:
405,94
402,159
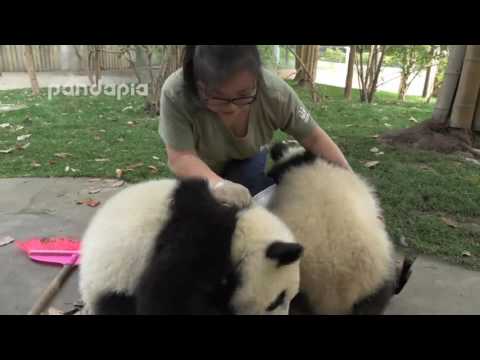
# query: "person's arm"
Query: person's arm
319,143
187,164
295,119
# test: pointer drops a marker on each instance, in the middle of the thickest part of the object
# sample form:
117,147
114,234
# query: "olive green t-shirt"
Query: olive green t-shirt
186,125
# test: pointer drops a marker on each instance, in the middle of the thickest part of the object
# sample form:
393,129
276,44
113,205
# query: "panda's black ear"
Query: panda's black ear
284,253
278,150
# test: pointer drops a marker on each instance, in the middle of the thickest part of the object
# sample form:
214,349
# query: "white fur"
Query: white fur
262,279
118,243
333,213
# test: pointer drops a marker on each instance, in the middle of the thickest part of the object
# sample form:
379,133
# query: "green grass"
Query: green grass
416,188
88,128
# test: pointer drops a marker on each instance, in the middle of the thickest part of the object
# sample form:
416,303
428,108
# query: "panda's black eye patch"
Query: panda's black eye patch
278,301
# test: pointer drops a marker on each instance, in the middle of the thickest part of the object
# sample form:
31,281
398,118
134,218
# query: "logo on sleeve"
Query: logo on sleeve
303,114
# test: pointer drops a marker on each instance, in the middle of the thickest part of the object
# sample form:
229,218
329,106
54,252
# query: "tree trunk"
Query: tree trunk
368,76
378,67
348,82
449,87
476,120
141,64
309,57
465,102
426,85
299,49
402,90
171,62
29,64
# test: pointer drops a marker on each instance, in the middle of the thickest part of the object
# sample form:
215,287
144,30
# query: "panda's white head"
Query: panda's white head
268,260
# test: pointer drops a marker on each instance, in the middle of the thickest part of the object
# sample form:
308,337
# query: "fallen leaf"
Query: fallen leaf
62,155
466,253
102,160
134,166
89,202
4,241
18,128
370,164
379,153
35,164
387,125
23,137
74,170
118,183
93,203
121,139
349,125
449,222
127,108
385,118
97,138
374,150
7,151
67,168
22,147
153,168
155,158
375,136
52,162
4,125
102,130
425,167
94,191
119,173
413,119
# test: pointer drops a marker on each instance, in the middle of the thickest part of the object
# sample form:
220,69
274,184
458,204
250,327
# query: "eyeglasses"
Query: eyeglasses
239,101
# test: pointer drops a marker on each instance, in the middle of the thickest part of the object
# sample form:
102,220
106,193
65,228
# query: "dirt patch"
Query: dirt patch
432,136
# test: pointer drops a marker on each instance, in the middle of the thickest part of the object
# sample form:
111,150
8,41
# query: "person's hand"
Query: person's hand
230,193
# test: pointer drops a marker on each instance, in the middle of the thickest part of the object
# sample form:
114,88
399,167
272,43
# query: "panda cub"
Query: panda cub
348,266
168,247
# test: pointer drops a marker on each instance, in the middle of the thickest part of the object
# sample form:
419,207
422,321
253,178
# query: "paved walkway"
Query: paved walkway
47,207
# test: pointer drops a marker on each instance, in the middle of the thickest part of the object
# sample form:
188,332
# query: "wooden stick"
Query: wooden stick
51,290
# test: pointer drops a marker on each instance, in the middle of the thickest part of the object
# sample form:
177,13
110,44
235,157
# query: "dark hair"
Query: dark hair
214,64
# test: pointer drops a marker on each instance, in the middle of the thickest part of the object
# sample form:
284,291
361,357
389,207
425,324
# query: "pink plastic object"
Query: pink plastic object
66,257
57,250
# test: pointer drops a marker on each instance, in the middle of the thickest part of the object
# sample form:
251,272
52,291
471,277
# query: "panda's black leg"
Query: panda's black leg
300,305
115,304
376,303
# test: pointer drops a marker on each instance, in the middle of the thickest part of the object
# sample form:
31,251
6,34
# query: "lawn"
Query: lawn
431,201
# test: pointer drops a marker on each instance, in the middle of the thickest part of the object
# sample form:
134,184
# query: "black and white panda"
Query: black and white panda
168,247
349,264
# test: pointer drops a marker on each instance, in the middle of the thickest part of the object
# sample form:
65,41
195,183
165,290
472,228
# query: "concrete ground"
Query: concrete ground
47,207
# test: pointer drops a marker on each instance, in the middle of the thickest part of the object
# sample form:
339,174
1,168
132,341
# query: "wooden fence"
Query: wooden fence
47,58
